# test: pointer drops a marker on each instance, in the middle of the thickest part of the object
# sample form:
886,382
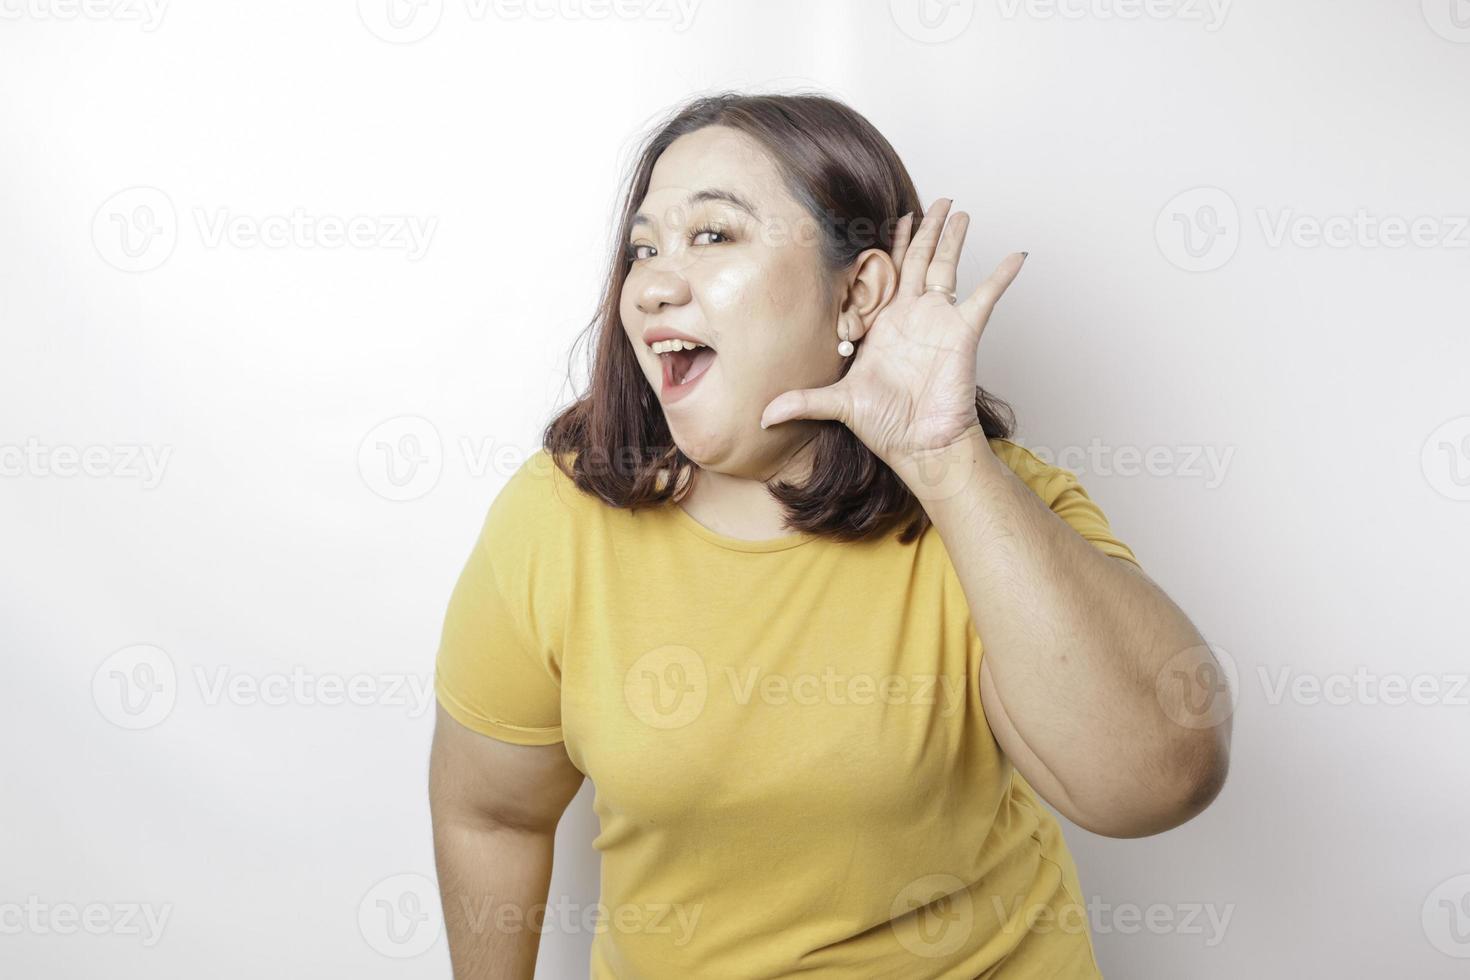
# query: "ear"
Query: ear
872,283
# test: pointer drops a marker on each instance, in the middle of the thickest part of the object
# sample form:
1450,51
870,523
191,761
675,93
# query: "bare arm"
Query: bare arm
1075,643
495,808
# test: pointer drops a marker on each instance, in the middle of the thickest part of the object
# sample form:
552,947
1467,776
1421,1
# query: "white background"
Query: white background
1325,550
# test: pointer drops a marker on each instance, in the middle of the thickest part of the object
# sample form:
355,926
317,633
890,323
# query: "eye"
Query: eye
711,231
632,252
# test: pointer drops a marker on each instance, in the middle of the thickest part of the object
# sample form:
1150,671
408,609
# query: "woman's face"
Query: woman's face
750,284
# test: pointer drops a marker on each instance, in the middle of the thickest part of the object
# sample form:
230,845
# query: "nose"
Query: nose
661,288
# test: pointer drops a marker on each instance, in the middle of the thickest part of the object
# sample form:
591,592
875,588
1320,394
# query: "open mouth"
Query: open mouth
682,367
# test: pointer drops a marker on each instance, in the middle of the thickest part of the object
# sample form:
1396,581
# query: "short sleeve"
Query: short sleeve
497,671
1061,491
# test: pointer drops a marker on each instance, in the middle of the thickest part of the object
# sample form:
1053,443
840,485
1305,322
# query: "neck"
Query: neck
743,508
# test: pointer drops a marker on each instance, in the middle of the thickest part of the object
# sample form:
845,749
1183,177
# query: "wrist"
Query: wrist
947,472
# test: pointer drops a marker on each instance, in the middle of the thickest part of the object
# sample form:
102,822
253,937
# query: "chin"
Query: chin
706,449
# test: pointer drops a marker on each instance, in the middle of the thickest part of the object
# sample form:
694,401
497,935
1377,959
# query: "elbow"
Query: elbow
1202,779
1182,792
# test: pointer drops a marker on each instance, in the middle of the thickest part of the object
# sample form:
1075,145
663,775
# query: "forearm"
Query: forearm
493,882
1075,642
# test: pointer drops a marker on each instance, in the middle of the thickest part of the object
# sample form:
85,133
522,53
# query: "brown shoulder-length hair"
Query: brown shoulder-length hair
848,177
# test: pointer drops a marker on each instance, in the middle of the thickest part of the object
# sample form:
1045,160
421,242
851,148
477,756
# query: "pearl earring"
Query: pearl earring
845,348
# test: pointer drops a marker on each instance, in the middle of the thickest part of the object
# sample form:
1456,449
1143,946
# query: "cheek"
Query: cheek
767,308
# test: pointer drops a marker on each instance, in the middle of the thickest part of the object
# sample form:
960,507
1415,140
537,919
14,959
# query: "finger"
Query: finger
902,234
943,267
978,305
830,402
916,259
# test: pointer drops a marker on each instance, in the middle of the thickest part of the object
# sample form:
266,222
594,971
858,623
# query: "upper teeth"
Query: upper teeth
668,346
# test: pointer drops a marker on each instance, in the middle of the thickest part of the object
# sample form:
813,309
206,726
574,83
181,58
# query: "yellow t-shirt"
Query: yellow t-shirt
793,771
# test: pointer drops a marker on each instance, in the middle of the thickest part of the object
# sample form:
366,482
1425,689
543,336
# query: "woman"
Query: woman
819,633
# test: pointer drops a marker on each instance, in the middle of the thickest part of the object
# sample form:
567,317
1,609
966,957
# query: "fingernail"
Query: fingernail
1024,255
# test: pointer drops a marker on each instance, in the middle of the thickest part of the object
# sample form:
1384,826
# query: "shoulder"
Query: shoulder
538,503
540,488
1061,491
1046,480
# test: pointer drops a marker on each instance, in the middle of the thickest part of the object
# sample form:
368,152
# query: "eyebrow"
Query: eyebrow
699,197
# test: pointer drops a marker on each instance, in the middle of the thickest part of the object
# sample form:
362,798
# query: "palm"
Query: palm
911,387
912,382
